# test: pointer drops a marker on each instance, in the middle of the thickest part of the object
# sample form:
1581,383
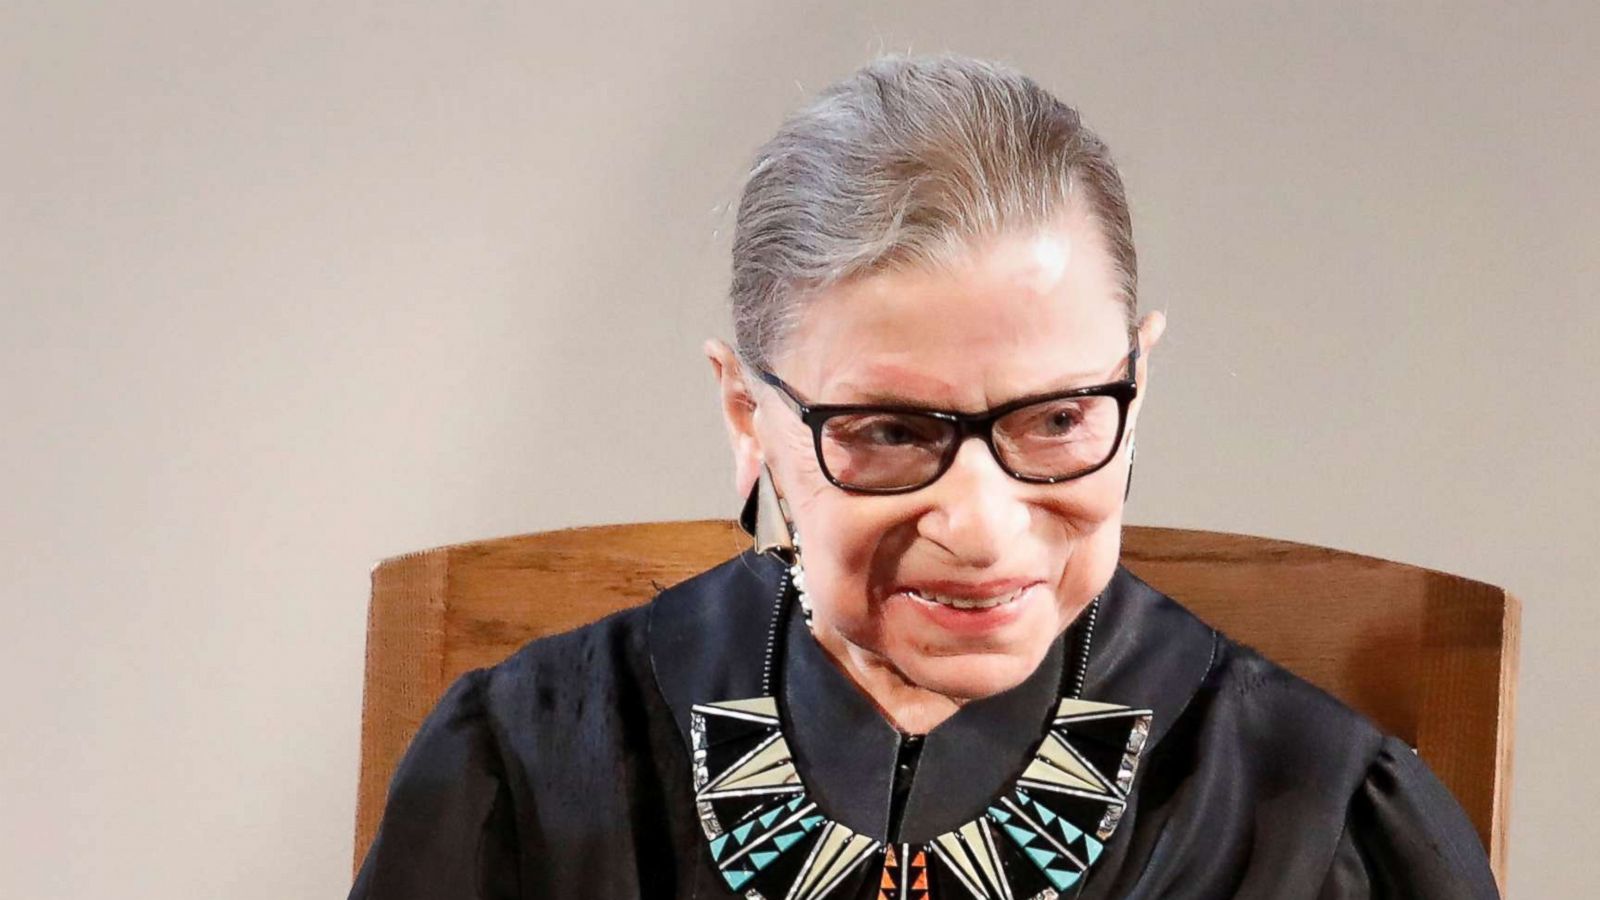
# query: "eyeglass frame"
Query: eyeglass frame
980,425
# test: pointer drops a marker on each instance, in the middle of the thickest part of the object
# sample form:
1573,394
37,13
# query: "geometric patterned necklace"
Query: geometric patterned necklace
1035,840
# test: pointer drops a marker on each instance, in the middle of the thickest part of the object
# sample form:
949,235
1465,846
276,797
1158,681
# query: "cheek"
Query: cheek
856,535
1081,510
1091,517
857,546
1101,500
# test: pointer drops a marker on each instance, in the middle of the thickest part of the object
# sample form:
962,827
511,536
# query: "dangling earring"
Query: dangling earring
1132,446
765,518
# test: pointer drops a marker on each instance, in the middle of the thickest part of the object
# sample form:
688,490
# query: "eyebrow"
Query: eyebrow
867,395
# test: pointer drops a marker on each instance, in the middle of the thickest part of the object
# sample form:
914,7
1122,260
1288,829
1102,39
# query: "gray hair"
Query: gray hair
905,163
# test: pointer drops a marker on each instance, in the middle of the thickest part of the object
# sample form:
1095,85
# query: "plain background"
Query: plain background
291,287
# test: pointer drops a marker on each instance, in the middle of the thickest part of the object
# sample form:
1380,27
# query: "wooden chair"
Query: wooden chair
1430,657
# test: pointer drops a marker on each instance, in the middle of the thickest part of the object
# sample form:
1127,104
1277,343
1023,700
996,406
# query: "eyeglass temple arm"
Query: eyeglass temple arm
784,389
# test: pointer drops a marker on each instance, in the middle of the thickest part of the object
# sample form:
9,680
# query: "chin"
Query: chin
973,676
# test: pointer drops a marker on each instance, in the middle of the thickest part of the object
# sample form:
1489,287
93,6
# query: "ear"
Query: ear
1151,327
738,414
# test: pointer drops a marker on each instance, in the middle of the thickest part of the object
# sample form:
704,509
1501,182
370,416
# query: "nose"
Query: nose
976,509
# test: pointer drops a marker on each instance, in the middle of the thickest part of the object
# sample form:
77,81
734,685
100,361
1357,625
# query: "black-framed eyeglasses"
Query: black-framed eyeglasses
1042,439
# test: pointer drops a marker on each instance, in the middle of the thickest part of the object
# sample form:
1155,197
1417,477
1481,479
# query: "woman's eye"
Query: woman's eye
884,431
1062,421
892,433
1054,421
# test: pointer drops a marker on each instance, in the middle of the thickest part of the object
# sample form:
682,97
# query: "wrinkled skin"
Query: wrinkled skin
1013,316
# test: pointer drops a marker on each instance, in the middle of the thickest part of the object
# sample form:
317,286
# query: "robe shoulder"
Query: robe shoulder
515,783
448,829
510,758
1405,836
1304,796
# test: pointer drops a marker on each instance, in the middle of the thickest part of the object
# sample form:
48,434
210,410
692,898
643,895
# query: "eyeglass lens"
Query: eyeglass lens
1049,440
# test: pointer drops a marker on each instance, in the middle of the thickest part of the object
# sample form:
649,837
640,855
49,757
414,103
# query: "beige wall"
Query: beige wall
291,287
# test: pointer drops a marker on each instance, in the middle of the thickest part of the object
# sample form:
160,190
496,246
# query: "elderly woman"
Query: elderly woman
930,678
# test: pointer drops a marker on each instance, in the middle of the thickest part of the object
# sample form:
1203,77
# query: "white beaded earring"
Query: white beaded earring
797,575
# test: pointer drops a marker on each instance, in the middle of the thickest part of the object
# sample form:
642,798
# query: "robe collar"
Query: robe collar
708,642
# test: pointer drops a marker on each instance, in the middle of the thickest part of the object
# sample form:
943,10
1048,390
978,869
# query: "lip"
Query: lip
976,590
971,622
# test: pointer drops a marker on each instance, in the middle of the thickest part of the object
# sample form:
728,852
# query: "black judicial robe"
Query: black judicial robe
565,771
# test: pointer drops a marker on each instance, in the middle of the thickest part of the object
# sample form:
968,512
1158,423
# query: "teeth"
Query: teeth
966,602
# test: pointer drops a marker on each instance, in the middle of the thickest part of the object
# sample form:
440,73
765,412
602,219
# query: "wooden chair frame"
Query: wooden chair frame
1430,657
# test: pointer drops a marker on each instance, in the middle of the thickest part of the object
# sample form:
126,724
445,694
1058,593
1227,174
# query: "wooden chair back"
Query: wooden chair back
1430,657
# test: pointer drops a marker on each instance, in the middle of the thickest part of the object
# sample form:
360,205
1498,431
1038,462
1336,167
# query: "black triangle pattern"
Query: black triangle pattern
724,730
1102,742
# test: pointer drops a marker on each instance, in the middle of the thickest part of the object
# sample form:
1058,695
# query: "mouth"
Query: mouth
973,610
978,612
953,601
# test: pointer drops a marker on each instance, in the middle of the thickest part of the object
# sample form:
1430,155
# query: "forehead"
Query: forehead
1015,315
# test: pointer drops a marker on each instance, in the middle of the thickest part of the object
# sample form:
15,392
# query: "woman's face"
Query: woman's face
1017,316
